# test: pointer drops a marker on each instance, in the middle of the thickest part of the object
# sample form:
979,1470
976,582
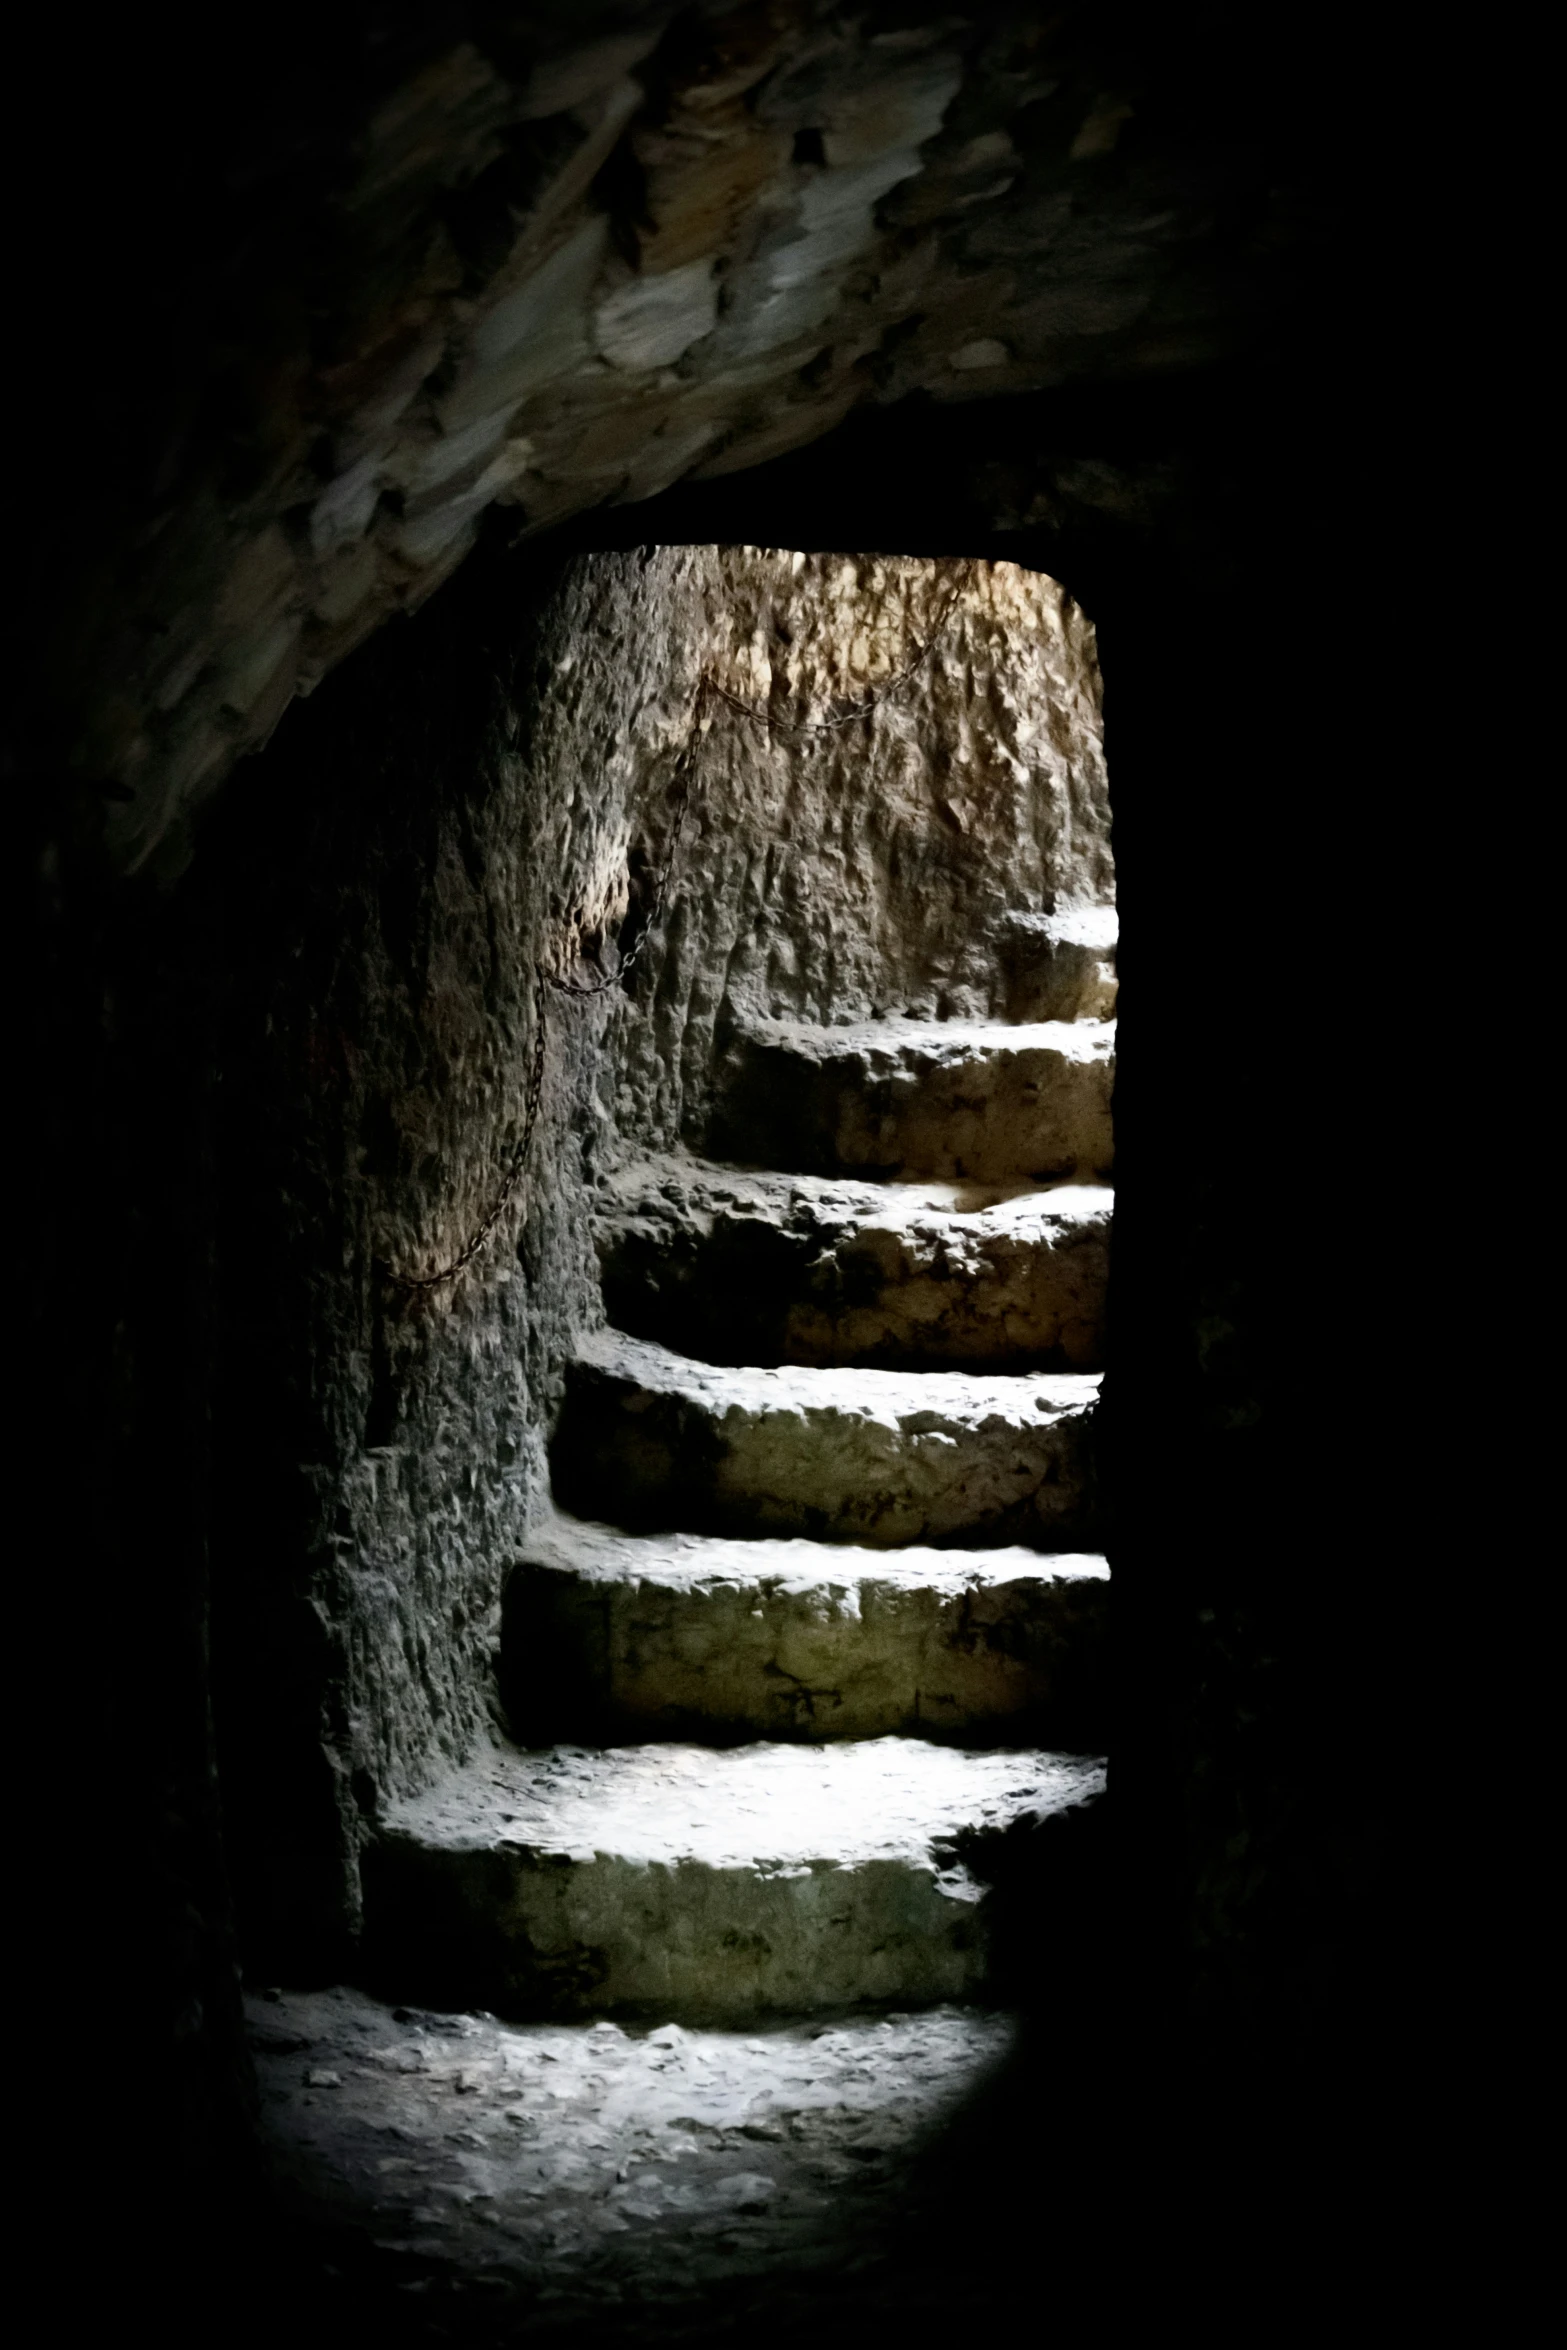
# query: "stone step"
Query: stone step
657,1442
964,1100
673,1879
740,1266
1061,966
610,1637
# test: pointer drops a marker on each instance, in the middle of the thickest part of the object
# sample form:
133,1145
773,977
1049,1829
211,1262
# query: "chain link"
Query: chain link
684,768
513,1175
544,980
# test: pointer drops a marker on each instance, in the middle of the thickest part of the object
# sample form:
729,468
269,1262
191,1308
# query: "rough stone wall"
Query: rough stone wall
379,1450
868,871
493,793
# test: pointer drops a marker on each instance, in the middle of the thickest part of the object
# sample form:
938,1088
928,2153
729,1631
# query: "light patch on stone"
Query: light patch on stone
423,536
836,215
454,452
433,543
1101,128
582,74
653,321
345,507
371,424
986,352
890,110
256,663
792,287
761,1807
537,331
1061,966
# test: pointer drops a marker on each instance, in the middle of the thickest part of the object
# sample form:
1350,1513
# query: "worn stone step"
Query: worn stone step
745,1266
1061,966
655,1441
677,1879
965,1100
610,1637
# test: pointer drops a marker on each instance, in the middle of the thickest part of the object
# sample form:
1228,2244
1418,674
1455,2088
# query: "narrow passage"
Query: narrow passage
810,1641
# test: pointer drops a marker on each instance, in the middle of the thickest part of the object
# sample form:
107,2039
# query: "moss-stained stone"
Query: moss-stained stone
617,1637
673,1878
435,829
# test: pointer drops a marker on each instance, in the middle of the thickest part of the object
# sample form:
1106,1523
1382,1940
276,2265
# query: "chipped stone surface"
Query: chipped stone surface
665,1878
605,2164
962,1099
657,1441
620,1637
743,1265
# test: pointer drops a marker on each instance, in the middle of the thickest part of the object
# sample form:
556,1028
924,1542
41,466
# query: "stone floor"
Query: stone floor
459,2176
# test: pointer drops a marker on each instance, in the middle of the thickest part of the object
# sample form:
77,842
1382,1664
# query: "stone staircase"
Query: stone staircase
809,1649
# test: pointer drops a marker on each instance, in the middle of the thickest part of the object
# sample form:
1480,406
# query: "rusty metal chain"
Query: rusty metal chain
513,1175
684,768
544,980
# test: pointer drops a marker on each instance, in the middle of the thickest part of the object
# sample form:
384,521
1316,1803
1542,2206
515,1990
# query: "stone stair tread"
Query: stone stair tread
939,1042
606,1555
1084,926
655,1440
748,1265
611,1637
759,1808
682,1180
913,1401
984,1100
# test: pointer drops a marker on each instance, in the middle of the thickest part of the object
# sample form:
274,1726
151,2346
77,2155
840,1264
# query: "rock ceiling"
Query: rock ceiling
679,247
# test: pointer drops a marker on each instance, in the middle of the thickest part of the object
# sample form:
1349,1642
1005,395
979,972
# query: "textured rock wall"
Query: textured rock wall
377,1450
493,792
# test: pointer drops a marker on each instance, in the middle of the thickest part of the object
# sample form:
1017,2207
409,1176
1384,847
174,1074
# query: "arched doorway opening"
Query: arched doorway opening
692,1011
